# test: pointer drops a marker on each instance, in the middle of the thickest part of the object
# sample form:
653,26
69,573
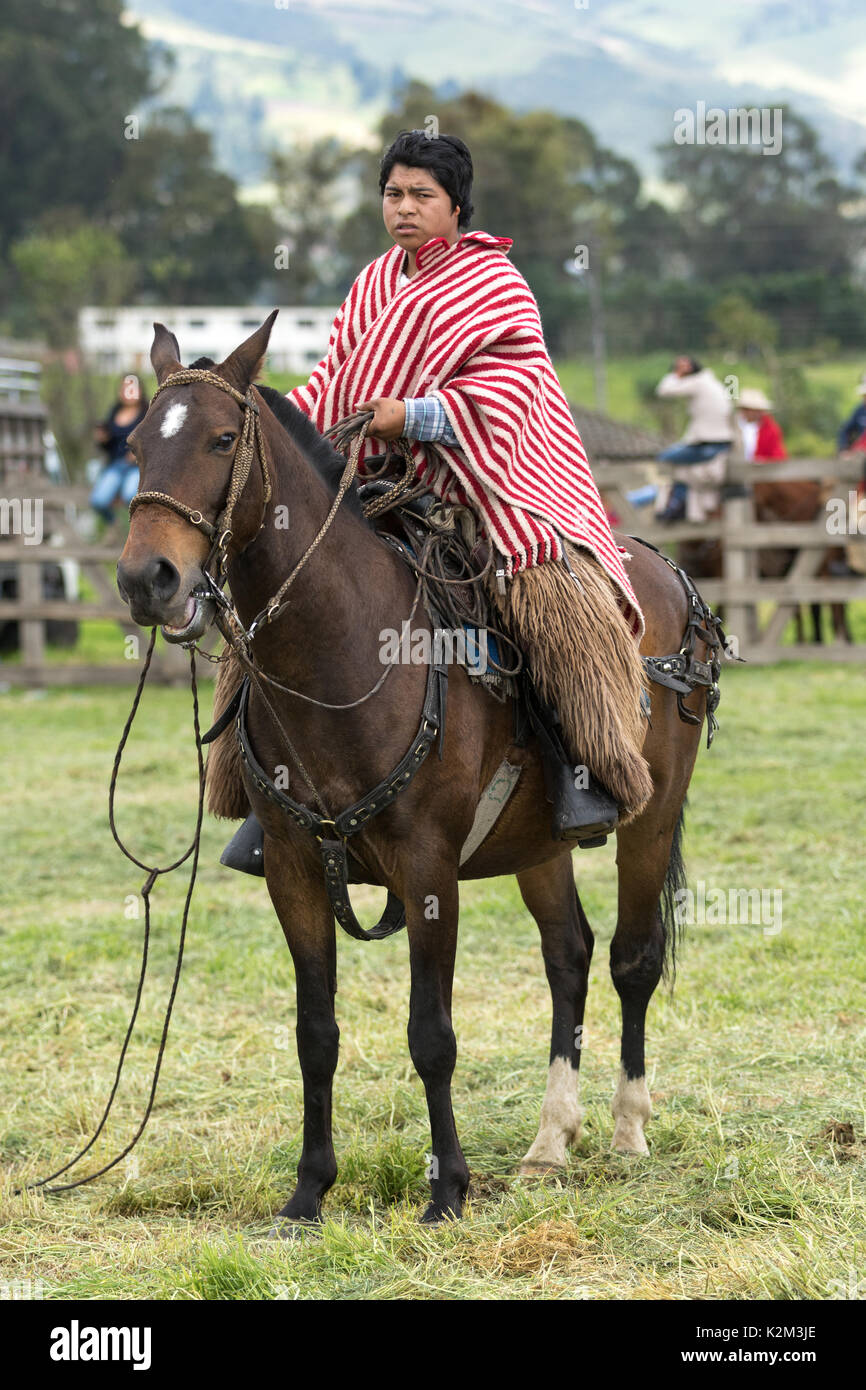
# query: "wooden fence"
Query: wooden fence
62,541
757,610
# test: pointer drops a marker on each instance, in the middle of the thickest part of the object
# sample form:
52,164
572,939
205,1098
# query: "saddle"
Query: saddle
444,547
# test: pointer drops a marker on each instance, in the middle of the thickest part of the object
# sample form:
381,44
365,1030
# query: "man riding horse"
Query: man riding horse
441,339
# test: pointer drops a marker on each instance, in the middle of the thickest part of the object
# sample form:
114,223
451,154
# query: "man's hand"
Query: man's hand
388,419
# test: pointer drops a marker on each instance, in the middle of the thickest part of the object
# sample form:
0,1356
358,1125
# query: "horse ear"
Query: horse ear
165,352
243,365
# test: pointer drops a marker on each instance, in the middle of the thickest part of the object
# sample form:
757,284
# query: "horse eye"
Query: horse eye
225,441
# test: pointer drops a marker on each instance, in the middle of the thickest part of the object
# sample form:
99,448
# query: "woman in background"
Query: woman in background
119,477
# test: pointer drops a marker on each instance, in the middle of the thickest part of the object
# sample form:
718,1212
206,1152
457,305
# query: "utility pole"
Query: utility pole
579,267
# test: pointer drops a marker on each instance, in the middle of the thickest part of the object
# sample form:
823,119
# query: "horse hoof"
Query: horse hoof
540,1170
634,1147
293,1227
435,1215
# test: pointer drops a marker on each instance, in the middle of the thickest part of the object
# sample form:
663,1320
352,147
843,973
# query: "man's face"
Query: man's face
416,208
682,366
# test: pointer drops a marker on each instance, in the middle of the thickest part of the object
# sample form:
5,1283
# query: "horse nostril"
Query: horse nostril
162,579
156,580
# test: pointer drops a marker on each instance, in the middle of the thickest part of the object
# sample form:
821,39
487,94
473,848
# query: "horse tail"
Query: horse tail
670,905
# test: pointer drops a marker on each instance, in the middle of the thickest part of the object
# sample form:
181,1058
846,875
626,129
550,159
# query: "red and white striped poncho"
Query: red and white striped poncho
466,328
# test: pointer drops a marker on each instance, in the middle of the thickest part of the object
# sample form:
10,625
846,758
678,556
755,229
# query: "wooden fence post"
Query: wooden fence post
738,566
31,630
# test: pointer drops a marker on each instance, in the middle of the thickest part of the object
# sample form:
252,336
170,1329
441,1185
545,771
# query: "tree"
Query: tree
751,213
60,272
740,328
310,182
181,221
70,74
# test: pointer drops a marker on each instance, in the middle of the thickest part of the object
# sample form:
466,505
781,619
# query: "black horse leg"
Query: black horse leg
636,958
432,927
308,925
566,944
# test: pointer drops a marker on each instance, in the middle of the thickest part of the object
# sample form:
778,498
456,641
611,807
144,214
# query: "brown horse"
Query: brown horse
327,645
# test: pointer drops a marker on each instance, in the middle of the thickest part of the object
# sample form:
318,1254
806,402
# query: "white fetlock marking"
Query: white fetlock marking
631,1108
560,1117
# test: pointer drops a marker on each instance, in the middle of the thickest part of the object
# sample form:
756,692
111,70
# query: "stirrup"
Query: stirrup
245,850
583,815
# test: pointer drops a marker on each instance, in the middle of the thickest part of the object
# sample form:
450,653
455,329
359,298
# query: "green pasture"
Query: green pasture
755,1183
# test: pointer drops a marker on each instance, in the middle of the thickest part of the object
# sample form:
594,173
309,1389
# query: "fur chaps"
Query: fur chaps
226,795
585,663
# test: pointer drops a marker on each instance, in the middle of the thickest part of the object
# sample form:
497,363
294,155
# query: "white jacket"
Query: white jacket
709,405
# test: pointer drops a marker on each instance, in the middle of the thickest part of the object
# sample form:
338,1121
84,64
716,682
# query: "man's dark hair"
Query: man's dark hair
446,158
694,366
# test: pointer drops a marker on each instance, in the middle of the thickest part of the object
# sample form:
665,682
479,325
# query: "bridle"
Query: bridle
250,450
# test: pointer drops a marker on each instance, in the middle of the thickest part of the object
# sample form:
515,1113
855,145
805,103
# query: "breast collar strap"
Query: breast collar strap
332,833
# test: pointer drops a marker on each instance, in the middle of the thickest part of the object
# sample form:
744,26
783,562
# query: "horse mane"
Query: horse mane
327,461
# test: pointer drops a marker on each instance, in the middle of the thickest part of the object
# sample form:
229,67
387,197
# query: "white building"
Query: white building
118,340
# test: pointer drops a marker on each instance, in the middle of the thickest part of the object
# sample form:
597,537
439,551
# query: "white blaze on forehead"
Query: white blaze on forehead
173,420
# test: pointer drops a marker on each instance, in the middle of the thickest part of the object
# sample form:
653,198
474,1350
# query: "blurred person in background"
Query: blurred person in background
852,435
708,434
850,442
763,441
119,477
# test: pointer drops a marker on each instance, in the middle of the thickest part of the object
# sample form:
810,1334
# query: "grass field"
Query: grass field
760,1049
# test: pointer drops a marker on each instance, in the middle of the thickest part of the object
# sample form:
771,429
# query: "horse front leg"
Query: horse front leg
431,920
301,903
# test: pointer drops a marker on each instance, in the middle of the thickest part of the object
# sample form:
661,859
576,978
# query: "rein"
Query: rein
153,873
330,831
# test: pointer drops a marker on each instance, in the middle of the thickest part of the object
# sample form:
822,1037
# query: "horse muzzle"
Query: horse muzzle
152,592
197,617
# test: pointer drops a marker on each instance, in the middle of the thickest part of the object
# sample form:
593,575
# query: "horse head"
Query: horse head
190,452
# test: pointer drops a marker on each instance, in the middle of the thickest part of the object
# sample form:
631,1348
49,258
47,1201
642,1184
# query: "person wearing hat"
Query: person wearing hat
762,435
854,427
